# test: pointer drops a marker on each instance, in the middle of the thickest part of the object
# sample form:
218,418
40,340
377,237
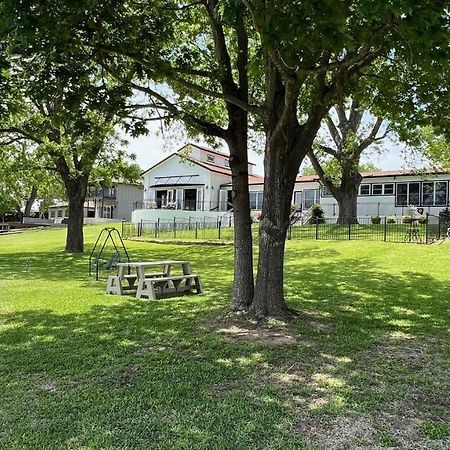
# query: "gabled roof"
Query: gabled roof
210,150
212,167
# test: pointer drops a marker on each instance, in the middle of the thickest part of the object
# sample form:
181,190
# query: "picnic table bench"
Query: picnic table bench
152,284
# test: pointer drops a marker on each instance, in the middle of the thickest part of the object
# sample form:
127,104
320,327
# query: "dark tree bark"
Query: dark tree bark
76,190
287,143
243,283
347,197
346,192
30,200
273,226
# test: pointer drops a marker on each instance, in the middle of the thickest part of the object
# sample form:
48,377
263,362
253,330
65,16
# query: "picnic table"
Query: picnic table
135,276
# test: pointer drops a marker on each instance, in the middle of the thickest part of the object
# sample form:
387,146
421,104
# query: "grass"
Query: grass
365,366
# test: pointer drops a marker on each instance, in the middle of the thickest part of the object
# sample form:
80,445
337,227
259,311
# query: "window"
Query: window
434,193
209,158
51,214
377,189
298,198
256,199
383,189
408,194
311,197
60,212
364,189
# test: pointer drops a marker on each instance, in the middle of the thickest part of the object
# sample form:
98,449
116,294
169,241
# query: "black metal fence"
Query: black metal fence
388,229
187,229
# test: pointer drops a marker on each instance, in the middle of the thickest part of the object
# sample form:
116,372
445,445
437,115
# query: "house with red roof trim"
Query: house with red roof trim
194,179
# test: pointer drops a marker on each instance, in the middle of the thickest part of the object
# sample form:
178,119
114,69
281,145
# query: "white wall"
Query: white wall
152,215
383,205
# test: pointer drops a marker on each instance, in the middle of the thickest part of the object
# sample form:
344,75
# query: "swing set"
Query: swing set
108,251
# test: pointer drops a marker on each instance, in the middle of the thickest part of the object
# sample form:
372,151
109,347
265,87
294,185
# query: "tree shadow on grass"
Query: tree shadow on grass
369,361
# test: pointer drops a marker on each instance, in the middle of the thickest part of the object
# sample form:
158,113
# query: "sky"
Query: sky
154,147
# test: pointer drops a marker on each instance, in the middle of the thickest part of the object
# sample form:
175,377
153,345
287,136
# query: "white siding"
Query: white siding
126,196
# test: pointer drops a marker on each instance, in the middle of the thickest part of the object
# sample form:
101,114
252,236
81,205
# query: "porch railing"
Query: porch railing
184,205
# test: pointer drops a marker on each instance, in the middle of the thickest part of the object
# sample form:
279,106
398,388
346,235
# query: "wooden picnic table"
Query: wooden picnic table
150,284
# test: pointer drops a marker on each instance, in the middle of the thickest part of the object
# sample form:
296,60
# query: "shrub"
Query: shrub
317,211
376,220
294,207
407,218
391,219
423,219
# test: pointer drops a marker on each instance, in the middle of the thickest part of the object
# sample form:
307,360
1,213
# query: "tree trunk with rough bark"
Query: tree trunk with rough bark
347,196
76,191
348,207
280,174
29,203
243,283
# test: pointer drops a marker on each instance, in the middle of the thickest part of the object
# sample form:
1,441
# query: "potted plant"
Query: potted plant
407,218
391,219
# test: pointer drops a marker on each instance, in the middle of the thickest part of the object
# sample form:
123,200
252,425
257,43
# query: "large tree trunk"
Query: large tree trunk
29,203
280,173
347,196
243,284
76,191
348,205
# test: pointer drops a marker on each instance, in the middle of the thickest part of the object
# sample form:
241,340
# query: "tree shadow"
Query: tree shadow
369,345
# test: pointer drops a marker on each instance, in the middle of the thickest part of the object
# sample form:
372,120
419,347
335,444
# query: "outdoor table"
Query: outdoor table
148,284
141,266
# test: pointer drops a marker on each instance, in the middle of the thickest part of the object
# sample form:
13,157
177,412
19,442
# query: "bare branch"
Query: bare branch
329,151
337,138
24,134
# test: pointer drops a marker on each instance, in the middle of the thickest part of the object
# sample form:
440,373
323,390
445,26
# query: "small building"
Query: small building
103,203
383,193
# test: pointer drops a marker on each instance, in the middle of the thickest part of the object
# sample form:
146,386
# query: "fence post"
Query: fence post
189,223
290,232
121,232
439,227
317,228
385,229
350,230
140,229
196,230
219,227
174,227
426,228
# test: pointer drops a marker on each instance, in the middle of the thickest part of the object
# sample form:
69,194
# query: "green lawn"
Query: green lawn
366,366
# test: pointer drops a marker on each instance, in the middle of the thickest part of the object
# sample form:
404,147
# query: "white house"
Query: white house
383,193
193,182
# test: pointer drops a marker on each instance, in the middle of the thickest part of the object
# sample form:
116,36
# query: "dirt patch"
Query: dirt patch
129,377
260,335
223,389
244,328
49,387
362,431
